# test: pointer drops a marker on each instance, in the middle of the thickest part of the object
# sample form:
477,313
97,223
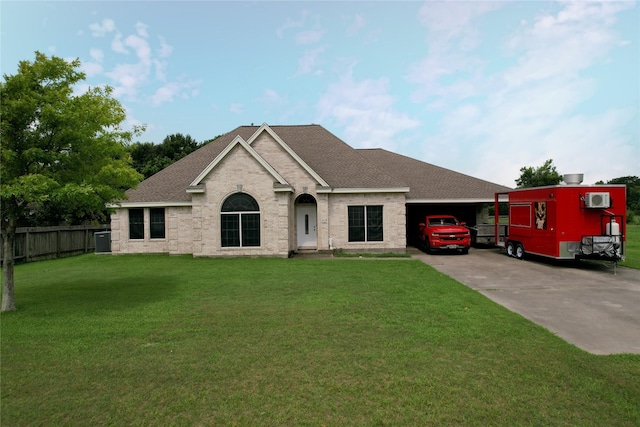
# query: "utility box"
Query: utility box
103,242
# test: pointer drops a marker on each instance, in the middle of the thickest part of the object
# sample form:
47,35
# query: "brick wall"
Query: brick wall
393,216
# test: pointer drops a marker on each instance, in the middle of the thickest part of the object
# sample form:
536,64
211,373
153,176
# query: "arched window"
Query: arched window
240,221
305,199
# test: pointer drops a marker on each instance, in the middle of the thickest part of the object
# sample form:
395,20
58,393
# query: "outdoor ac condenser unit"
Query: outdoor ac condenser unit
103,242
597,200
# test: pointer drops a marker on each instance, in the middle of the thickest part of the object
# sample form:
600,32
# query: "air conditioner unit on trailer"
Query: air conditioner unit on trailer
597,200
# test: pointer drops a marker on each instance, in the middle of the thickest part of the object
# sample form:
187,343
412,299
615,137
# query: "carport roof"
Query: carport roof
430,183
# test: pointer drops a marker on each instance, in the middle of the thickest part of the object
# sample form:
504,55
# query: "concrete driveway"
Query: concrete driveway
591,305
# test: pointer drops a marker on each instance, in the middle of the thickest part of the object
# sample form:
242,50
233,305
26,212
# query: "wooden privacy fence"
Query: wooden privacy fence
38,243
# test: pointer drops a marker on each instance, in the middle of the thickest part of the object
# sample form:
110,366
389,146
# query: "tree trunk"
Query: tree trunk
8,238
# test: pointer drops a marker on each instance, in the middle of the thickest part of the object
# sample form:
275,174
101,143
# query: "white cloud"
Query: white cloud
308,62
100,29
161,69
530,111
129,78
452,35
306,35
117,45
170,90
144,77
96,54
92,68
165,49
236,108
365,110
141,47
272,98
576,38
309,36
141,29
292,23
356,25
451,23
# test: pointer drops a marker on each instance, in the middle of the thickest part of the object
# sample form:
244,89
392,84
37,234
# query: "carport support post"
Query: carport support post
496,219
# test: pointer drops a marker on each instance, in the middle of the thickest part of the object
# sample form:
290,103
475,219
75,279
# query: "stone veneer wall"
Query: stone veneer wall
302,183
177,233
239,168
196,229
393,217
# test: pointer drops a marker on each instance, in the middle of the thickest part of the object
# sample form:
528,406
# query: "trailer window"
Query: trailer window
520,215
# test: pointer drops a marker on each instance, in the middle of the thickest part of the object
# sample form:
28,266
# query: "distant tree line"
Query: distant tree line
149,158
633,195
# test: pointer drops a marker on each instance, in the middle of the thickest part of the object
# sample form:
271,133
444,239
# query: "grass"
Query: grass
341,254
632,247
159,340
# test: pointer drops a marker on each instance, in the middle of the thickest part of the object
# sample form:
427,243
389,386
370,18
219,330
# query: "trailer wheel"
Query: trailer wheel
510,249
519,251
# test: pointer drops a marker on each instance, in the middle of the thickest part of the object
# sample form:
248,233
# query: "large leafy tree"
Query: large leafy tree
633,194
538,177
149,158
60,150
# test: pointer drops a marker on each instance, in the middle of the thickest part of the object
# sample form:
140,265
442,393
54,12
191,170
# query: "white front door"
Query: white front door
307,226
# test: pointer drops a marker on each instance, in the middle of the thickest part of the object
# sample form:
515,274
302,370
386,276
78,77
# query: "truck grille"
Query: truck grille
452,237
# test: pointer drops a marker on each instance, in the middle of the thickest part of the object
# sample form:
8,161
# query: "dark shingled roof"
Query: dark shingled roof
340,165
428,181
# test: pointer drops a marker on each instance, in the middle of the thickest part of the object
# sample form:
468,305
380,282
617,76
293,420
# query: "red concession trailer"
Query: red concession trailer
565,222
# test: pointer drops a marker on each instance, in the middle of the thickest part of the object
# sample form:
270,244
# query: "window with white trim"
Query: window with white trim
240,221
365,223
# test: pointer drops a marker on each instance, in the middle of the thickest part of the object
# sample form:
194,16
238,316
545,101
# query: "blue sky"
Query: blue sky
482,88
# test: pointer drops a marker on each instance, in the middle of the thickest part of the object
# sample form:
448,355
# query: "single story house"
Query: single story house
277,190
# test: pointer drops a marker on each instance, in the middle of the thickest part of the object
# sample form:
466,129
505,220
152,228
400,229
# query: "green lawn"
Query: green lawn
159,340
632,246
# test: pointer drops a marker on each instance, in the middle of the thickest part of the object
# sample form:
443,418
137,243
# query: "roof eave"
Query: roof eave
447,200
162,204
364,190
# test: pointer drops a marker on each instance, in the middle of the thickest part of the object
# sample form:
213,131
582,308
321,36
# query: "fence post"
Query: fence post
26,246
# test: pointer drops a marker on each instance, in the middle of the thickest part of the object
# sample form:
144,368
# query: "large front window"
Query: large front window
365,223
136,224
156,223
240,221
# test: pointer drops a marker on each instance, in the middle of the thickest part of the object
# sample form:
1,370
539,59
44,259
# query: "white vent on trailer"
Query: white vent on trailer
597,200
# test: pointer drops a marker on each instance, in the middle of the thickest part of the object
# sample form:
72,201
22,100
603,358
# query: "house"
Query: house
276,190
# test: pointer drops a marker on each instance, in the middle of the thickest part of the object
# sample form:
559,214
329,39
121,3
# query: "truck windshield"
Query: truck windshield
442,221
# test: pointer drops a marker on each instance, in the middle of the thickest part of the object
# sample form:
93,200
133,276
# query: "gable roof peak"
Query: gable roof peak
238,141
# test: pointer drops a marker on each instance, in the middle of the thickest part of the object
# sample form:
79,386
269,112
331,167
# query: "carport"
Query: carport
436,190
471,212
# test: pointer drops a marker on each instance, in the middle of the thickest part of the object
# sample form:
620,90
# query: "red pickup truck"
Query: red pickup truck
444,232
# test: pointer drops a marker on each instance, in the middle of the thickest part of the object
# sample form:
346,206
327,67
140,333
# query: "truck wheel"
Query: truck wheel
510,249
519,251
465,251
